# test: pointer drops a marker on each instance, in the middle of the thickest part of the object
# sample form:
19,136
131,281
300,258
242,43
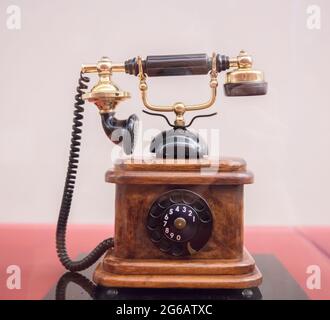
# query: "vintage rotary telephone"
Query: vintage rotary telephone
178,219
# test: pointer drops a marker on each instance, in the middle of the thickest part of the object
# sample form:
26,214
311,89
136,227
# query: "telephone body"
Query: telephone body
175,225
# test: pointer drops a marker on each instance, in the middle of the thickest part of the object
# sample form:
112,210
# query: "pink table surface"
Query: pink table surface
32,248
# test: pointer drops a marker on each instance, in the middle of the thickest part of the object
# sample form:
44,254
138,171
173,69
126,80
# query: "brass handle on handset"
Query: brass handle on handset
179,108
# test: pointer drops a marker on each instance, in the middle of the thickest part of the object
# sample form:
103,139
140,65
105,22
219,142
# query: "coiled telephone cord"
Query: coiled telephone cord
70,180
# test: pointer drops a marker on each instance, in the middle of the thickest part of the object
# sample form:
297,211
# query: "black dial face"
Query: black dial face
179,222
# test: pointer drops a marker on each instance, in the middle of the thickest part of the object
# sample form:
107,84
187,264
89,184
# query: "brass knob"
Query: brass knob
180,223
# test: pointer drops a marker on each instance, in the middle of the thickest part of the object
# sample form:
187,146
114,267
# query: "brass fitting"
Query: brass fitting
105,94
243,72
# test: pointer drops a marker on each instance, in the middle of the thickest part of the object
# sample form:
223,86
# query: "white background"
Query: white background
284,136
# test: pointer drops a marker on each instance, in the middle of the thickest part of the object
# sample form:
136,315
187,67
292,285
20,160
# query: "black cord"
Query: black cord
78,279
200,116
95,254
159,115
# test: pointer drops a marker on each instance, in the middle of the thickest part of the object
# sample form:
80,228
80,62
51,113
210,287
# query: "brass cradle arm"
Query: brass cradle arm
179,108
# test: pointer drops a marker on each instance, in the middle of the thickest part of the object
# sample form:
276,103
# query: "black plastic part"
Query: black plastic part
177,65
245,89
122,132
179,203
86,289
178,143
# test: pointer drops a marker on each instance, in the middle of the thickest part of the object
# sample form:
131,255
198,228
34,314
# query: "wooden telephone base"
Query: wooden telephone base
136,261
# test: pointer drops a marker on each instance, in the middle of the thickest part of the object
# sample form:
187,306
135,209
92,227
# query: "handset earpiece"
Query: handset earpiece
244,81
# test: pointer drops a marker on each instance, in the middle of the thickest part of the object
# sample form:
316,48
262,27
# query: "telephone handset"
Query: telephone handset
176,143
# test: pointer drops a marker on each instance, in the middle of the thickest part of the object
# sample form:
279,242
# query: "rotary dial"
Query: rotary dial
179,222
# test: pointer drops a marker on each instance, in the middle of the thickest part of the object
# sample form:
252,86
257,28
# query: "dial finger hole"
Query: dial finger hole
188,198
177,250
156,236
205,216
198,206
164,202
152,223
176,197
164,245
155,211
